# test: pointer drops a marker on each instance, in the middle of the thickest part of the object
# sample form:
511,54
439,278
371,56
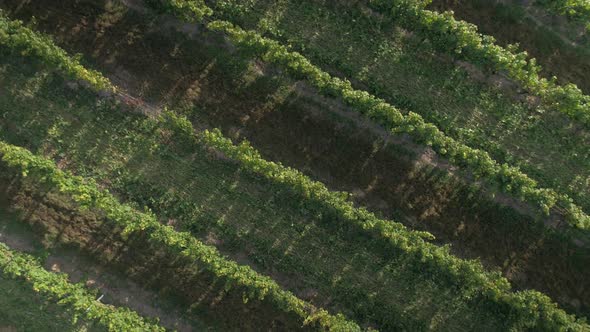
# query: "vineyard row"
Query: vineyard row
508,178
88,195
56,288
439,259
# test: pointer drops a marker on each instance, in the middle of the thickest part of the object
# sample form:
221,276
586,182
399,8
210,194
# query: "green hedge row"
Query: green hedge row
528,309
19,38
573,9
88,195
508,178
75,297
462,39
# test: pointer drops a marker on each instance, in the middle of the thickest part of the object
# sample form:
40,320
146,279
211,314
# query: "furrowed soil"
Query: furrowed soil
149,58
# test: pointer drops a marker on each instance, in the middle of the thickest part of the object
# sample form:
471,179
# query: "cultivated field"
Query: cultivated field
230,165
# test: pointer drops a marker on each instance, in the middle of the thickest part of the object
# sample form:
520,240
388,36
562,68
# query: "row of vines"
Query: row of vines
14,35
56,288
508,178
462,39
574,9
88,195
469,276
526,309
531,309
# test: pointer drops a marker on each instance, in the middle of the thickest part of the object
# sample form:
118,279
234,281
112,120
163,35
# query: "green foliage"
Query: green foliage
188,10
529,309
56,288
452,34
508,178
463,40
467,277
26,42
315,192
574,9
87,194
